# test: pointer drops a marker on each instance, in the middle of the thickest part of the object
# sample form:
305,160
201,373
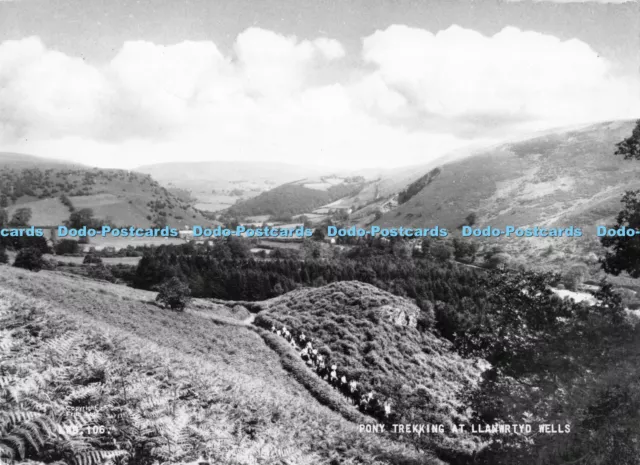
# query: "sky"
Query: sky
349,83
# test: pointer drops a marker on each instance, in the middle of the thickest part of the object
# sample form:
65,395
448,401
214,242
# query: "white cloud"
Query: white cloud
518,75
331,48
46,92
158,86
274,65
412,100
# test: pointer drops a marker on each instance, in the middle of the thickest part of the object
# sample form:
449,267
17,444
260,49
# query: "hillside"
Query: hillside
557,179
220,184
121,197
374,338
165,386
298,197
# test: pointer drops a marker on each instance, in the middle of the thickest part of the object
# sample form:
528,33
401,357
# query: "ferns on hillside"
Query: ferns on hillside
64,399
97,456
83,398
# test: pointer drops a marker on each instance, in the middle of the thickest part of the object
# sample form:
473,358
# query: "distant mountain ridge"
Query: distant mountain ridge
176,172
22,160
220,184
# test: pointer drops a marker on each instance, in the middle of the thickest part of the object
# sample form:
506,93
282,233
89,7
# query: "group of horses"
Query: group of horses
367,402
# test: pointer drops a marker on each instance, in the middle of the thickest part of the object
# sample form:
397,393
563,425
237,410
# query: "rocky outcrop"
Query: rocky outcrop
400,315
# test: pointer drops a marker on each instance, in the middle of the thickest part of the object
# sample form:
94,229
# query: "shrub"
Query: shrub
499,260
471,219
174,294
427,315
441,252
25,242
67,246
101,272
464,251
66,201
21,217
92,259
4,258
575,276
29,259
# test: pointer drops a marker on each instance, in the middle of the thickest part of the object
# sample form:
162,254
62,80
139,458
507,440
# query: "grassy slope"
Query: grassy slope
556,179
297,197
372,337
46,212
123,197
285,199
256,404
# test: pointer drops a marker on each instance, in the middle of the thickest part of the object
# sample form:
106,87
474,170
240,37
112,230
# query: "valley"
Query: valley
184,351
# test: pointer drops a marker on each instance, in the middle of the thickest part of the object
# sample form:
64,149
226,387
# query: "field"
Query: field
204,380
123,242
105,260
46,212
124,198
215,202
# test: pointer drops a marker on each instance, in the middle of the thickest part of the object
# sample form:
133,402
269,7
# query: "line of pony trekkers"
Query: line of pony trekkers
366,402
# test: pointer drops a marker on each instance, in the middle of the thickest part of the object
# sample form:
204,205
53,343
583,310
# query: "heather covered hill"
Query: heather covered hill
562,177
167,387
382,342
121,197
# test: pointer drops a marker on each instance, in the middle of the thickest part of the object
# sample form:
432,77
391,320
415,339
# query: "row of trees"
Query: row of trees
227,270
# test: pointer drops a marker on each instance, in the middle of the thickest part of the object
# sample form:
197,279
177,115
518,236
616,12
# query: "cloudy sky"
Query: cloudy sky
120,83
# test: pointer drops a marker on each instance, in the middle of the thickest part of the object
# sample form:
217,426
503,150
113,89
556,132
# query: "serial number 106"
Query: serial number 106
89,430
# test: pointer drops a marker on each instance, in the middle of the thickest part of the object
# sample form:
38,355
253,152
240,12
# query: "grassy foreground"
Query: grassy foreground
92,372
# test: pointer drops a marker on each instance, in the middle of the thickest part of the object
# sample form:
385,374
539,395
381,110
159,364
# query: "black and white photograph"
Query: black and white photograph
320,232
